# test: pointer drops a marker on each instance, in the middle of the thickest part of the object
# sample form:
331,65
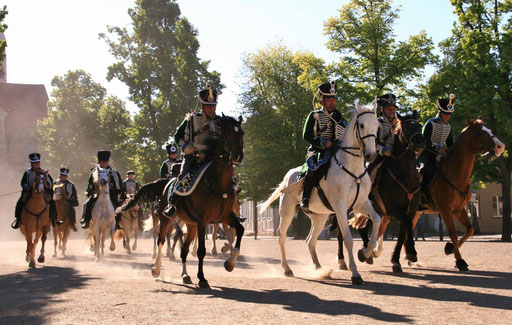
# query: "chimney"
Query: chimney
3,66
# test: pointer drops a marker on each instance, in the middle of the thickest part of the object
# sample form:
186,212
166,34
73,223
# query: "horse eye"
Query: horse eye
361,126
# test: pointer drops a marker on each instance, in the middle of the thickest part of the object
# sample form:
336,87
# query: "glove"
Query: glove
188,149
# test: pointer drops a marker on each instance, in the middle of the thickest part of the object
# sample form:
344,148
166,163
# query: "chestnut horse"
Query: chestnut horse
62,231
35,216
450,189
129,224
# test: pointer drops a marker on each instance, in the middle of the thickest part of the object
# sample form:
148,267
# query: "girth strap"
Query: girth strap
357,179
462,193
409,194
38,214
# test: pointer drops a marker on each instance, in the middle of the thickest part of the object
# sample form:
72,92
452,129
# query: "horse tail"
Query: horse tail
263,206
118,235
148,193
148,224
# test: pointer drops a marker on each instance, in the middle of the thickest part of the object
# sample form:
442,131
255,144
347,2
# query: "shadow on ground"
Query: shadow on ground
298,301
25,296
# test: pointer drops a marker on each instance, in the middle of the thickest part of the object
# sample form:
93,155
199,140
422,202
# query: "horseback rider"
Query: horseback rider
169,168
438,135
115,188
195,136
321,128
385,135
131,186
27,181
72,199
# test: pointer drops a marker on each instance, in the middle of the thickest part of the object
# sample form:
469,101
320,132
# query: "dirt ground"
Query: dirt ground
121,290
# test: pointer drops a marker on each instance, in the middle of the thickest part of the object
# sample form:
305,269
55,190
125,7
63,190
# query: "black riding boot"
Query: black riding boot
188,161
171,207
309,182
87,214
17,214
115,203
53,214
72,217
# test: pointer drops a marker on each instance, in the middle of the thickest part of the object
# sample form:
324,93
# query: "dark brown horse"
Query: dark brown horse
396,192
450,189
213,200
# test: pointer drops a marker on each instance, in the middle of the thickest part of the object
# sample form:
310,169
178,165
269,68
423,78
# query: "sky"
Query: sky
49,38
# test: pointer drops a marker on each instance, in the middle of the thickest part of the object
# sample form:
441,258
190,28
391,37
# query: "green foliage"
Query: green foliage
276,106
158,62
82,120
372,61
477,69
3,27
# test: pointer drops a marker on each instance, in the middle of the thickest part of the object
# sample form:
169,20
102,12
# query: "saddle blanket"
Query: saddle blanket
189,182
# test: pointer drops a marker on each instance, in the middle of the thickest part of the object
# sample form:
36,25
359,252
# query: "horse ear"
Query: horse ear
356,104
470,121
240,119
480,118
374,105
223,116
414,114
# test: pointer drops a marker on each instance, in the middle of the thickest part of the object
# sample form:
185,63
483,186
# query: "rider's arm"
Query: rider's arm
50,183
308,133
449,140
90,186
164,170
24,181
73,199
427,134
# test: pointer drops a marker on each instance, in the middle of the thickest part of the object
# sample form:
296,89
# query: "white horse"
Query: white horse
347,186
102,217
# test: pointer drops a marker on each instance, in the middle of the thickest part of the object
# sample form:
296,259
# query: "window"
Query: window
497,206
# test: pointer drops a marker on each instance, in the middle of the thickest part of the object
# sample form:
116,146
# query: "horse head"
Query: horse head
40,184
410,131
366,126
100,180
482,138
232,138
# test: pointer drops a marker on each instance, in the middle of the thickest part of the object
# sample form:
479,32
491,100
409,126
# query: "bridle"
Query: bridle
226,158
408,139
359,137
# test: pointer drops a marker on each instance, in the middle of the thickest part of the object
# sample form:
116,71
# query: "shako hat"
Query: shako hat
445,105
34,157
386,100
327,89
64,171
208,96
103,155
171,148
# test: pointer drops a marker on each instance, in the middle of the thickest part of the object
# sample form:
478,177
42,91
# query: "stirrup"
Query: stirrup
15,224
304,203
85,225
169,211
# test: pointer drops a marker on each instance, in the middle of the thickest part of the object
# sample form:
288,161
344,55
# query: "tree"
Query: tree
3,27
477,68
81,121
276,106
158,62
372,62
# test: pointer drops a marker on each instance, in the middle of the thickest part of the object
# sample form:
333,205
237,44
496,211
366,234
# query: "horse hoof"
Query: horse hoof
134,247
41,259
461,265
369,260
229,266
155,273
412,257
342,265
225,249
32,264
204,284
213,251
360,255
91,249
187,280
397,268
448,248
112,247
357,280
288,273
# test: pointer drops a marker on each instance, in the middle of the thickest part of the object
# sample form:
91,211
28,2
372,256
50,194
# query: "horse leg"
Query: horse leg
363,232
201,253
287,208
155,236
194,248
55,241
165,223
341,215
395,257
216,226
229,265
230,236
43,242
341,259
191,235
65,238
317,225
127,238
168,237
463,218
382,230
452,247
410,250
135,234
366,208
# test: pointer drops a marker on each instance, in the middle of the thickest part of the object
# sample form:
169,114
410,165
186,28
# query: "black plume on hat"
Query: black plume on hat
171,148
103,155
34,157
386,100
64,171
208,96
446,104
327,89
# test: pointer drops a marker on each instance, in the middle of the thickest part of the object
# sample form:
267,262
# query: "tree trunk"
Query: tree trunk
255,220
505,170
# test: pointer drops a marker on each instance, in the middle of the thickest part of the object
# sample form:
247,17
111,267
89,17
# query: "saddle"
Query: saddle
188,184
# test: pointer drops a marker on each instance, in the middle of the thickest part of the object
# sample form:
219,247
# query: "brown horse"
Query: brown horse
213,200
35,217
130,224
61,232
450,189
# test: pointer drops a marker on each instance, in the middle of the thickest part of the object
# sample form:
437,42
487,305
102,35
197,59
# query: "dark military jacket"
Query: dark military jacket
71,190
167,168
131,186
28,178
199,131
116,186
437,134
320,126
